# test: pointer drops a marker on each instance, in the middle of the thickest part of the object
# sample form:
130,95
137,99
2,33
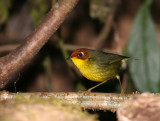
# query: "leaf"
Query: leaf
143,45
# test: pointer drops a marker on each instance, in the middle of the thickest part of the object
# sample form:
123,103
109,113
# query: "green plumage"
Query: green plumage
103,66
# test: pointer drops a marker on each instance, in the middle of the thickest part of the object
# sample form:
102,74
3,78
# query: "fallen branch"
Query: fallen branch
11,64
86,100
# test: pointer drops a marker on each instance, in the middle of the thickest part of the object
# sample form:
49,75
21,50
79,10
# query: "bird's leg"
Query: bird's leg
118,77
90,89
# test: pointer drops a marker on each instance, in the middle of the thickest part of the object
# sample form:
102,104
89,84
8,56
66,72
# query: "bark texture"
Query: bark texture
11,64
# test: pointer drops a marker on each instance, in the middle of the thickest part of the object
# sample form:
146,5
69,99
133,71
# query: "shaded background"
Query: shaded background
128,27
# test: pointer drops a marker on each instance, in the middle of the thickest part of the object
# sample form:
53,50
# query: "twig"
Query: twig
8,48
70,47
107,27
87,100
11,64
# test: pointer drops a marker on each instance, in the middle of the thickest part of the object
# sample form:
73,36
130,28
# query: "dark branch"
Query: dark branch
11,64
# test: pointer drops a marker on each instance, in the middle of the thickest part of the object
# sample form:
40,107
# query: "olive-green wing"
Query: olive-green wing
105,59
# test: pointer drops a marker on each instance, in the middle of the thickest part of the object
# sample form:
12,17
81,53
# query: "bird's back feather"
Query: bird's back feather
104,59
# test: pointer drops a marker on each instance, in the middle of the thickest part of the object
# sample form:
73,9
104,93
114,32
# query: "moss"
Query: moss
21,101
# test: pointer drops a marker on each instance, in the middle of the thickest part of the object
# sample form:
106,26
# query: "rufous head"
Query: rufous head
81,54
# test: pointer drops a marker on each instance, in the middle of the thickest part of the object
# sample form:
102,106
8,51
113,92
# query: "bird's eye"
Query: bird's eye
81,54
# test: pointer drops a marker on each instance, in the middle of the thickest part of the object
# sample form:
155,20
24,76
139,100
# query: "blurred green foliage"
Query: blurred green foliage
99,10
4,12
38,9
64,52
143,45
47,64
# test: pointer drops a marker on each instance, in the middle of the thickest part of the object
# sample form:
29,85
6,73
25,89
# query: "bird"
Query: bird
97,65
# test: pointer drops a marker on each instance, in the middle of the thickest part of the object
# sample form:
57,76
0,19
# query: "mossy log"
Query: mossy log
35,108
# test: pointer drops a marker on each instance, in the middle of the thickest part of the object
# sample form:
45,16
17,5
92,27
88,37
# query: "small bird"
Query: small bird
97,65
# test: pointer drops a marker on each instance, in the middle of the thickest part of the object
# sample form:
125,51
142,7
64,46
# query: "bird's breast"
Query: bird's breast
92,71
